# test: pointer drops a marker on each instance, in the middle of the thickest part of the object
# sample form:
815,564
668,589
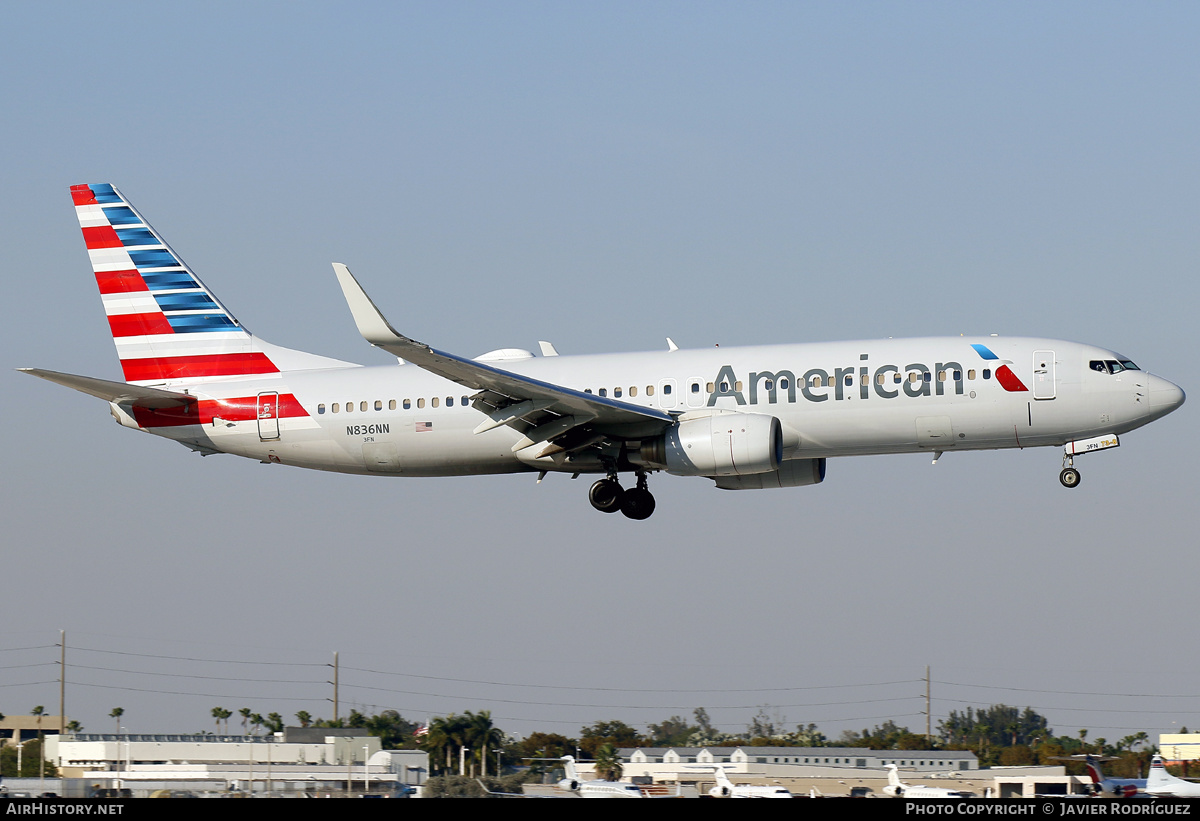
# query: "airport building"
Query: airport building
298,761
839,771
1178,748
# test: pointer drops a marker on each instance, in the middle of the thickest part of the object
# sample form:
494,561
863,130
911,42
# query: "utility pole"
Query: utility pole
335,685
928,711
62,683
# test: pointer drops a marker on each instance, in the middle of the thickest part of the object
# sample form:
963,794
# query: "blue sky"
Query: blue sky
603,176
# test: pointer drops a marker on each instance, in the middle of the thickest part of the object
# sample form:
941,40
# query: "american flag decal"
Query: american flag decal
421,427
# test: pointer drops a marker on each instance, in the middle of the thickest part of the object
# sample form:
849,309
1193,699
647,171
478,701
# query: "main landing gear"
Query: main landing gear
608,496
1069,476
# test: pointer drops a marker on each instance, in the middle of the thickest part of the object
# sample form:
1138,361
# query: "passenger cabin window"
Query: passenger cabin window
617,392
434,402
378,404
421,402
320,409
334,407
650,390
604,391
408,404
391,404
666,389
632,391
709,387
362,406
987,373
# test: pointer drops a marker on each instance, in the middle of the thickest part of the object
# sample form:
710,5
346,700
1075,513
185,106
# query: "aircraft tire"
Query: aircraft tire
1069,477
637,504
606,496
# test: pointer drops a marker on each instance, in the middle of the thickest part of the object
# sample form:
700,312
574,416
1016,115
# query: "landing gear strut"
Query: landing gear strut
607,496
1069,476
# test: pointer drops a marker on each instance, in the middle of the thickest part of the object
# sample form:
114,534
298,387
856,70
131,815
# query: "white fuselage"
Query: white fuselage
832,399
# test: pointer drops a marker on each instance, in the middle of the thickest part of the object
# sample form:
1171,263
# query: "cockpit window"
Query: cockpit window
1112,365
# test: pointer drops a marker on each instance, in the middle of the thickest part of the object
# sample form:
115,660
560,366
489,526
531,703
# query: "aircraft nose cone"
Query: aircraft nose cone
1164,396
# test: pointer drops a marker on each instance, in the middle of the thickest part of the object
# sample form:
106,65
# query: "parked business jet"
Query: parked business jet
597,788
898,789
747,418
727,789
1161,782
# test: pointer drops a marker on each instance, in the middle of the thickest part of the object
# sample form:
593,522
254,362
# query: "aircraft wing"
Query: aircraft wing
542,411
118,392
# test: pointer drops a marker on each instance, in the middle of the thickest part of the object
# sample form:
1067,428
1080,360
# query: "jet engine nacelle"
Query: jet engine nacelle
723,444
569,784
792,473
719,792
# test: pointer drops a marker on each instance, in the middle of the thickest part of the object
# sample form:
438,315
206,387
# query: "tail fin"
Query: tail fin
1158,777
1093,768
894,776
166,324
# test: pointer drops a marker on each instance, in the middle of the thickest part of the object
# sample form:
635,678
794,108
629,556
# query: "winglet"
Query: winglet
370,321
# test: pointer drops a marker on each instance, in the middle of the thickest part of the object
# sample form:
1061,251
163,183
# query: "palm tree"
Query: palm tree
73,726
481,734
116,713
436,740
221,713
304,717
40,711
608,763
245,713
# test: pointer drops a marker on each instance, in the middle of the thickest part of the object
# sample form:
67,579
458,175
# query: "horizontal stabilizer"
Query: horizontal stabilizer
118,392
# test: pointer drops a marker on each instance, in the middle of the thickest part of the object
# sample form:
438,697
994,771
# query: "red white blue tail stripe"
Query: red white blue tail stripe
166,324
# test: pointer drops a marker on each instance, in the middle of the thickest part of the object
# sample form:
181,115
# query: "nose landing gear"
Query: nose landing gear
607,496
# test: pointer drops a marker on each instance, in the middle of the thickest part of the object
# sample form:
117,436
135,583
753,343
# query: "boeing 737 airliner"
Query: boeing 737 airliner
747,418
